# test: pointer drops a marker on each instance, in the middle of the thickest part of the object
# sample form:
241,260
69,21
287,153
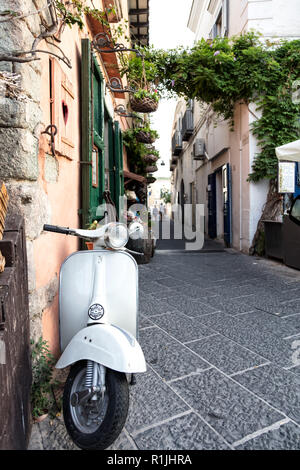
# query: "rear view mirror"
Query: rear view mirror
295,211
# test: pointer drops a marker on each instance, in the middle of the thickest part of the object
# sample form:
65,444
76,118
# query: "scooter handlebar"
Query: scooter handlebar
57,229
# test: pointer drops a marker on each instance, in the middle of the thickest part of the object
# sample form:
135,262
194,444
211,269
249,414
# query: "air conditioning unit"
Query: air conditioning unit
199,152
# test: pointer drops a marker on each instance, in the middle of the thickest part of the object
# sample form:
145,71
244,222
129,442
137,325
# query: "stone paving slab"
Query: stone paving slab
185,432
253,337
225,354
280,388
285,437
152,306
221,362
272,324
191,308
230,409
171,361
193,328
152,401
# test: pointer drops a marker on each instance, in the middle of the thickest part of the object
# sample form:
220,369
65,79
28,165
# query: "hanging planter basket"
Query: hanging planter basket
151,169
150,158
150,179
143,105
145,137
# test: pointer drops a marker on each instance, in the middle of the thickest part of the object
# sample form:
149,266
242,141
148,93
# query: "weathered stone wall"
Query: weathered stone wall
15,363
20,129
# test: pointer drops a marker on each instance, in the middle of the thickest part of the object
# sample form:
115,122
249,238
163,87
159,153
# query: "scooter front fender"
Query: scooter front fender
108,345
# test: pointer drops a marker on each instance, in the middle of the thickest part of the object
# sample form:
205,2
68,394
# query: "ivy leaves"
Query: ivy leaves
245,68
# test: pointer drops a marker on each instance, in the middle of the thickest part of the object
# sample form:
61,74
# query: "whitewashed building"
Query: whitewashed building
233,205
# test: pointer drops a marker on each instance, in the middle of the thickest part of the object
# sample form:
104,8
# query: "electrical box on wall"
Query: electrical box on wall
199,152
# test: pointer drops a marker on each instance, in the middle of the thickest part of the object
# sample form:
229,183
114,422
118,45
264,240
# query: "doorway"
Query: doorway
219,204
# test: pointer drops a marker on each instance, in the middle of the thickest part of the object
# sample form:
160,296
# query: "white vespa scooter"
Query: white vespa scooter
98,303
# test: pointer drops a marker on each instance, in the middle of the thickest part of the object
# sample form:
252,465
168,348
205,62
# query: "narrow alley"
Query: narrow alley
220,333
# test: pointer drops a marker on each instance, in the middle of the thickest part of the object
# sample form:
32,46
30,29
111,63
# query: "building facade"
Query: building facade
60,132
210,163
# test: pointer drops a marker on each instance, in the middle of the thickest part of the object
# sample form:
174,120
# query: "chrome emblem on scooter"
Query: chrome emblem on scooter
96,311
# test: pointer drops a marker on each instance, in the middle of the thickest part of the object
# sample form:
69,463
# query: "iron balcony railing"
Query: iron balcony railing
177,143
187,125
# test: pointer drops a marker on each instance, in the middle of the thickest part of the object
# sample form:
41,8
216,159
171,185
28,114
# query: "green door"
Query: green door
116,163
102,146
92,125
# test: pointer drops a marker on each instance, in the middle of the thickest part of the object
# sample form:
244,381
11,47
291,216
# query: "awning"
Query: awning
289,152
133,176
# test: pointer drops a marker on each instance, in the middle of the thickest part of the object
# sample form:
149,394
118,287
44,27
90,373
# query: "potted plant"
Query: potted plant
92,226
144,101
135,152
151,169
145,134
151,157
150,179
142,76
43,402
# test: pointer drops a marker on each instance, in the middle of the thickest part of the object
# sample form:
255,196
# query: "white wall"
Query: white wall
273,18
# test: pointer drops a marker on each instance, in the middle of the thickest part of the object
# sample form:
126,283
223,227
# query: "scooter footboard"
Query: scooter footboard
108,345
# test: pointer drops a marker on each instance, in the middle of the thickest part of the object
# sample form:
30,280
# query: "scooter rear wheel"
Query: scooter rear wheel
101,431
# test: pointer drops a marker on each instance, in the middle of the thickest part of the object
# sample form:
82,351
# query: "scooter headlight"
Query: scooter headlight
116,236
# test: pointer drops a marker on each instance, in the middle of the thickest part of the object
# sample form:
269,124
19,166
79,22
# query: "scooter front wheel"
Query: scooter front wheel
96,424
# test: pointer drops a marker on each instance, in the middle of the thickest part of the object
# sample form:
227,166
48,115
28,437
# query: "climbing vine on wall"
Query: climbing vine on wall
227,71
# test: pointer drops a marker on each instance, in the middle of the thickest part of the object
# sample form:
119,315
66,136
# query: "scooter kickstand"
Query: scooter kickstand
133,379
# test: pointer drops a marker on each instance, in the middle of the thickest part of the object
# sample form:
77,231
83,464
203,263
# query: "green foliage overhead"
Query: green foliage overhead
224,72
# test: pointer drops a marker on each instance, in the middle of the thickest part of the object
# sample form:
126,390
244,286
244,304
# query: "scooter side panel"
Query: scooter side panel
120,291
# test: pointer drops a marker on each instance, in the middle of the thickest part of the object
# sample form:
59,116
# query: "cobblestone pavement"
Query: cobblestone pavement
221,336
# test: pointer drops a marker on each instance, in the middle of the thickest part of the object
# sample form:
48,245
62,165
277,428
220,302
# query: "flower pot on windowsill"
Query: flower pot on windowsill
90,245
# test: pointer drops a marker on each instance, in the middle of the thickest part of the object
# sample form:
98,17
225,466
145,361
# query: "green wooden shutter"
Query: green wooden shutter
112,165
86,129
118,151
92,136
